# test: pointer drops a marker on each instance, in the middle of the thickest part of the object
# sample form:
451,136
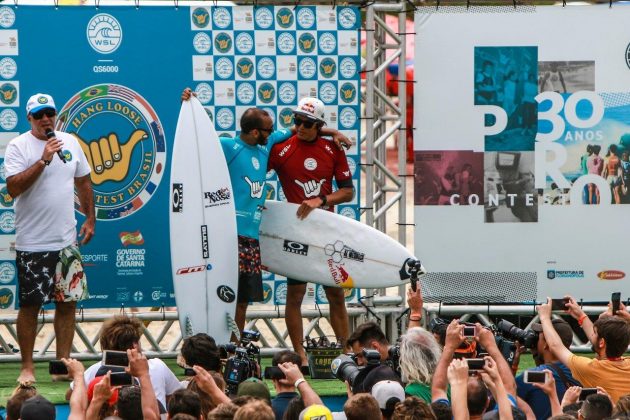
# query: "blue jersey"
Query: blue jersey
248,173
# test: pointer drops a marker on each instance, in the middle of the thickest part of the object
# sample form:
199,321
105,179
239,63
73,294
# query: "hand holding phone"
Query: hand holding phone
121,379
475,364
57,367
115,358
615,300
559,304
586,392
274,372
534,377
189,372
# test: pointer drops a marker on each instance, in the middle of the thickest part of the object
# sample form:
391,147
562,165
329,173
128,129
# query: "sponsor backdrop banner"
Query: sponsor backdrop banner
117,73
522,176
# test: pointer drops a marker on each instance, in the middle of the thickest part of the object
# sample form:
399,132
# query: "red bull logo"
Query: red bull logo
340,275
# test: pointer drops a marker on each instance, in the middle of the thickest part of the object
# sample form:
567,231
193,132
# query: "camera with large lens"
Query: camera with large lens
529,339
345,368
393,358
242,361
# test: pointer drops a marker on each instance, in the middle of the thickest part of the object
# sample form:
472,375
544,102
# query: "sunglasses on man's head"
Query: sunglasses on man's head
306,123
47,112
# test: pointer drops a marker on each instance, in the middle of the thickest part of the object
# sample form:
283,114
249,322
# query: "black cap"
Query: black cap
37,408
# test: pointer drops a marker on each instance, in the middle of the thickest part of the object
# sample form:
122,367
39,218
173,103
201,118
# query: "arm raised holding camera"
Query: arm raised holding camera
486,339
549,388
583,320
458,378
454,338
139,367
294,375
491,377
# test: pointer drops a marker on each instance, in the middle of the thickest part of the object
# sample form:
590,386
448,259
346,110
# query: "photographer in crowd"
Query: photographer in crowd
368,336
546,360
477,393
610,337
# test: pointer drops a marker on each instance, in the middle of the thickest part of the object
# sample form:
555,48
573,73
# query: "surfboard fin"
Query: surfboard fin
232,327
188,328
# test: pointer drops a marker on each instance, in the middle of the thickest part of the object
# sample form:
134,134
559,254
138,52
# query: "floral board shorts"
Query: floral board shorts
250,288
52,276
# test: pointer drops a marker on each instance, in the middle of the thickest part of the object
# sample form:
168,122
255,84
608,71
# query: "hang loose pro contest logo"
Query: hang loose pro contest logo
123,140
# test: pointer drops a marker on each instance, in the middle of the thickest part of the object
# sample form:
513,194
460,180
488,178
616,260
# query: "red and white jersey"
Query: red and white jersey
306,169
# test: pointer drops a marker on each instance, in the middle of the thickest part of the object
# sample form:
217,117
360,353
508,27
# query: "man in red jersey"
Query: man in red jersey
306,165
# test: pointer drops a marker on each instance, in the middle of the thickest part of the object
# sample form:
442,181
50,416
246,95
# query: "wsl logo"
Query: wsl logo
104,33
123,140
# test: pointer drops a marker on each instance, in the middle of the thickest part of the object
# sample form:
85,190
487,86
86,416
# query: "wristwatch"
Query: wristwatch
46,162
324,199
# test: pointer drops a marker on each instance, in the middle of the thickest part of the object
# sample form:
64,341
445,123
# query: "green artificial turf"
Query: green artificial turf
55,391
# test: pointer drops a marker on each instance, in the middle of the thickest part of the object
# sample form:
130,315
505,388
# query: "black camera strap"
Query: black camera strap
565,379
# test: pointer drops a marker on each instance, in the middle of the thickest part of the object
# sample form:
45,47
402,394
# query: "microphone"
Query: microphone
51,134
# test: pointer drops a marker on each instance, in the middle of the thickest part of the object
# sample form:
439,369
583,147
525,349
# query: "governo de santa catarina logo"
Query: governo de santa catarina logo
104,33
123,140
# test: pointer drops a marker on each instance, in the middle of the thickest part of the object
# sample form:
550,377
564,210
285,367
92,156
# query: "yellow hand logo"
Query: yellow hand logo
108,158
201,19
306,43
328,68
285,19
347,93
223,43
287,118
8,95
245,68
266,93
7,199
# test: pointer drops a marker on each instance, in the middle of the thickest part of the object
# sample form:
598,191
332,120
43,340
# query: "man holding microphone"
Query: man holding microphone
43,167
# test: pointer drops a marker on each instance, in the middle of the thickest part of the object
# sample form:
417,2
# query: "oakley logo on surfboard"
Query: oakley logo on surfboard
295,247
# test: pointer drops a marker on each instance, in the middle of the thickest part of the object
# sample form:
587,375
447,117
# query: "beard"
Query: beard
261,140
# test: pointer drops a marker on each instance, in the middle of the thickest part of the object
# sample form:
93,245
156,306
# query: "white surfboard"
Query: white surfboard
204,249
329,249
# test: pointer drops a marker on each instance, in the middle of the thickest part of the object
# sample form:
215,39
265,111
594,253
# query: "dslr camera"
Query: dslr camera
506,329
243,360
345,368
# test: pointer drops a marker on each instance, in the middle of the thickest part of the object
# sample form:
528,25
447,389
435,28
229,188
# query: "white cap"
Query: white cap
38,102
383,391
311,108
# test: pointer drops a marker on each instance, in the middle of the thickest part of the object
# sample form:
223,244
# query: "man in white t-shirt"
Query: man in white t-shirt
43,167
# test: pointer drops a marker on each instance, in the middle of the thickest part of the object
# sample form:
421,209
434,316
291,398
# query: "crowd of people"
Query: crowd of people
456,371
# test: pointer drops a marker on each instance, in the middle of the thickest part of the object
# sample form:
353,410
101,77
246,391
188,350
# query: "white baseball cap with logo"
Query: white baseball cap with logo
311,108
38,102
